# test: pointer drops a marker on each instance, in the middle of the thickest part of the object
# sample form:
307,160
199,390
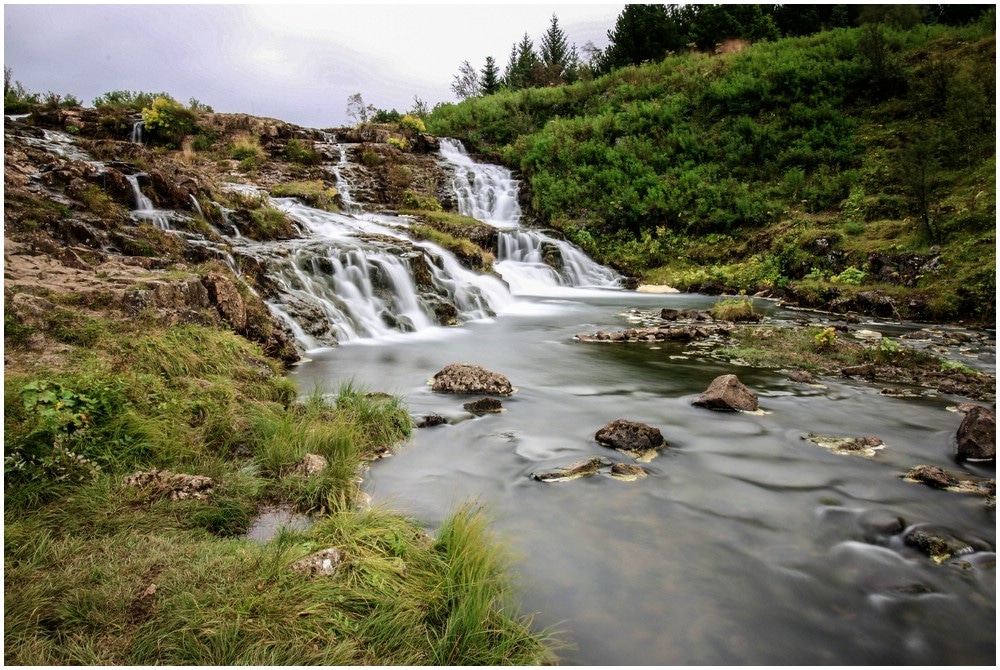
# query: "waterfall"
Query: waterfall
137,132
484,192
530,261
343,188
144,206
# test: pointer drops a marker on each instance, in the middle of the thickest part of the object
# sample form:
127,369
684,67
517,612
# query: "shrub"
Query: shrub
738,309
851,275
412,125
168,121
299,152
247,150
825,338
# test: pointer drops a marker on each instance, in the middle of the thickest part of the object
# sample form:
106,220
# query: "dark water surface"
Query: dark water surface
745,545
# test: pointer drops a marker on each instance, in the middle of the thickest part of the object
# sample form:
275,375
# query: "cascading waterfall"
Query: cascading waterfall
137,132
354,279
531,261
144,206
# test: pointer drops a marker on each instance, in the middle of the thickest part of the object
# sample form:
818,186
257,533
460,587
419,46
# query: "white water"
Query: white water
530,261
144,206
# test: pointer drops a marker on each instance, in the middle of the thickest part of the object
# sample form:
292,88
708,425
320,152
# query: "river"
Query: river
746,544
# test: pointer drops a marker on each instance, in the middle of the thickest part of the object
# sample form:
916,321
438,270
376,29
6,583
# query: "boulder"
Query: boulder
867,445
431,420
322,563
958,482
464,378
483,406
727,393
172,485
576,470
977,435
222,292
630,436
627,472
937,543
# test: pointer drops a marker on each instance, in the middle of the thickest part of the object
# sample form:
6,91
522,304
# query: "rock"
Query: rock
801,377
977,435
322,563
727,393
310,465
627,472
867,370
431,420
167,484
868,445
939,544
957,482
463,378
224,295
635,439
576,470
484,406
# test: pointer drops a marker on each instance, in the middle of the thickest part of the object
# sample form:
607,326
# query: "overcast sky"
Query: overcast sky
297,63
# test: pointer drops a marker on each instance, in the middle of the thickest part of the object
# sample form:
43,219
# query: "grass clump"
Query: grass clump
738,309
99,573
313,193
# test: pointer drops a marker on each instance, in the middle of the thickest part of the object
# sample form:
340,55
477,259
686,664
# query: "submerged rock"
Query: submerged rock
727,393
635,439
484,406
627,472
939,544
585,468
868,445
977,435
463,378
431,420
957,482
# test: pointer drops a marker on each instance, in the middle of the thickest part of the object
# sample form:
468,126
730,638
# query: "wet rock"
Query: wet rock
727,393
484,406
310,465
938,544
801,377
957,482
431,420
977,435
167,484
322,563
463,378
867,446
867,371
876,523
627,472
585,468
633,438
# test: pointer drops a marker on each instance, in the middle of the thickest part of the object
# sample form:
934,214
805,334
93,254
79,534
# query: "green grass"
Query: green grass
81,552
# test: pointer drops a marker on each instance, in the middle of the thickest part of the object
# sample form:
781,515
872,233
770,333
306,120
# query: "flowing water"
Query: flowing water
745,544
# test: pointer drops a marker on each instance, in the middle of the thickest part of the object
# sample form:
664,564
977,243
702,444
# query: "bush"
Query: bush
412,125
168,122
299,152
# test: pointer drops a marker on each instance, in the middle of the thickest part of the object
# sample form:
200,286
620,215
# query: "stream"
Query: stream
746,544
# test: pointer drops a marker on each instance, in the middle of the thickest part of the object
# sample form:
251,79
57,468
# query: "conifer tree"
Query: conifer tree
489,79
524,63
554,52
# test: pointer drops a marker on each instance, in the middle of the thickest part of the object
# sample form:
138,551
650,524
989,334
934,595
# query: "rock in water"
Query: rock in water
629,436
977,436
727,393
483,406
576,470
463,378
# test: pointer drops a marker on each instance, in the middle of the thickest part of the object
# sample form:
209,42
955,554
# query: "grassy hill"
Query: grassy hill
852,169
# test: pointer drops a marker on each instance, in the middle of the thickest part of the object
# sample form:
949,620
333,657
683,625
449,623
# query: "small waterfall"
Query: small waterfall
530,261
485,192
144,206
137,132
342,186
197,206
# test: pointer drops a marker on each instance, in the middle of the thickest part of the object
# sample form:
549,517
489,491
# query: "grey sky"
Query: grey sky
297,63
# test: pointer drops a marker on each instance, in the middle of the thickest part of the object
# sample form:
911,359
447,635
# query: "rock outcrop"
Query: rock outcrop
465,378
977,435
727,393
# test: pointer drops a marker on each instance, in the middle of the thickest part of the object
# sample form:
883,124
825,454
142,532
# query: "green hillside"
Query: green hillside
853,169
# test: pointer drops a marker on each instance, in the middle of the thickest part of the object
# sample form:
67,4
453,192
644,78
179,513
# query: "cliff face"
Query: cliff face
72,245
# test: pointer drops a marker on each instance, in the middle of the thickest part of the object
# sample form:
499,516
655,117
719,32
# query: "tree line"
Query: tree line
651,32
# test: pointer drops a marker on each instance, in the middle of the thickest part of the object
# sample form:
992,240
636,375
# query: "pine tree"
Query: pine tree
555,52
522,70
489,79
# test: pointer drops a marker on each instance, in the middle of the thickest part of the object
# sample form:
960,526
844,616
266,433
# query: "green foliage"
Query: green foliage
248,151
851,275
412,125
168,122
421,202
400,143
133,101
739,309
825,339
313,193
299,152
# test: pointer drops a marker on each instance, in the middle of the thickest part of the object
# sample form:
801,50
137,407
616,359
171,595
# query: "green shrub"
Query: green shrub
851,275
738,309
247,150
299,152
168,122
412,125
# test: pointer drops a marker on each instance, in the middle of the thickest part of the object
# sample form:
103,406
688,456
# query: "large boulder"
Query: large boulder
977,435
727,393
464,378
629,436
